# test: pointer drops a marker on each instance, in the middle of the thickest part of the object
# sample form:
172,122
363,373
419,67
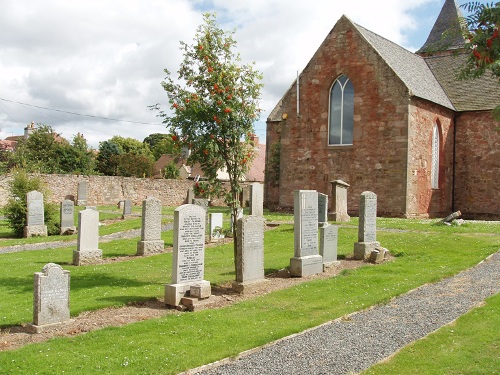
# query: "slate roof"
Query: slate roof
446,33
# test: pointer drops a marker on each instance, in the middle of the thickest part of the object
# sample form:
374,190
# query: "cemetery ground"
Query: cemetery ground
125,288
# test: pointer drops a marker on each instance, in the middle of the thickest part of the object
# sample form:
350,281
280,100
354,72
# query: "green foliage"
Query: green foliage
134,165
214,108
171,171
16,208
162,144
107,159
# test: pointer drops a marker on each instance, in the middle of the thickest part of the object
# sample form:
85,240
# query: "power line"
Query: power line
79,114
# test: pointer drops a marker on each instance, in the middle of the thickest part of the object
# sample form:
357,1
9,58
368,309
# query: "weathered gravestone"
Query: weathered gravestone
151,242
188,259
35,219
120,205
81,199
322,209
67,217
306,260
202,203
256,199
216,222
50,298
87,251
127,208
339,201
328,240
239,215
367,228
190,195
250,253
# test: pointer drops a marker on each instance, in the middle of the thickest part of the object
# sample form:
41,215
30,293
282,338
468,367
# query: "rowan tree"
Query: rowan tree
213,106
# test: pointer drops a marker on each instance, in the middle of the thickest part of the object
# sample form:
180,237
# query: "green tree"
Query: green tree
171,171
214,108
134,165
76,157
108,158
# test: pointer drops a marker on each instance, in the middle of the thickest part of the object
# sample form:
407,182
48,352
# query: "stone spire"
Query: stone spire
446,33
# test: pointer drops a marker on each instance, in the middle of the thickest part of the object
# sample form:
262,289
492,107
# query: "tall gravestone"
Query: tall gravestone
151,242
239,215
322,209
127,208
67,217
35,218
81,199
190,195
306,260
256,199
328,243
188,260
87,251
249,253
367,228
216,222
50,298
339,201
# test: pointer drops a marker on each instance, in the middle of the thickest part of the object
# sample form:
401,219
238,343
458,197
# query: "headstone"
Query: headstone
216,222
127,208
82,193
239,215
339,201
151,242
120,205
306,260
201,202
190,195
245,196
328,240
188,260
256,199
67,217
250,253
35,219
50,298
322,208
367,228
87,251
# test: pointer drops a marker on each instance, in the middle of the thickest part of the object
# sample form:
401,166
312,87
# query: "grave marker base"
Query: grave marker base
35,231
248,287
330,265
336,216
150,247
81,258
34,328
362,250
305,266
174,293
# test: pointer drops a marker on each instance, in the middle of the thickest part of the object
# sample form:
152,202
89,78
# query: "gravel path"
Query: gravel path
355,342
58,244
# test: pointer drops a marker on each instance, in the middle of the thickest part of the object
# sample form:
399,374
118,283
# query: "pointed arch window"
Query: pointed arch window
435,157
341,113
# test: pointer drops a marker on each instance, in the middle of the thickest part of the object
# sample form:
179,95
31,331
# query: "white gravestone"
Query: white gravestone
367,227
328,241
306,260
256,199
339,201
216,222
87,251
50,298
151,242
81,199
35,219
249,253
188,260
67,217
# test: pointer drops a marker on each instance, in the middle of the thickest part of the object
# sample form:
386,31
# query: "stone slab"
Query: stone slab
150,247
305,266
81,258
35,231
200,290
362,250
248,287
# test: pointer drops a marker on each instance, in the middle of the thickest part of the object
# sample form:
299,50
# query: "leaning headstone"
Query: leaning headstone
190,195
87,251
249,253
216,222
367,228
151,242
256,199
35,219
127,208
339,201
50,298
67,217
81,199
306,260
188,260
322,209
328,240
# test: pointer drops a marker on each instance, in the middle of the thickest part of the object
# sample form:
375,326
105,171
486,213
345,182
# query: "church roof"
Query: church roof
446,34
410,68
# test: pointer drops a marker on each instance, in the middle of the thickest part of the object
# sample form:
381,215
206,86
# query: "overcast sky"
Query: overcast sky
103,58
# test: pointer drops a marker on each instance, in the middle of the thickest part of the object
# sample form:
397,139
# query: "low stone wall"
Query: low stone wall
109,190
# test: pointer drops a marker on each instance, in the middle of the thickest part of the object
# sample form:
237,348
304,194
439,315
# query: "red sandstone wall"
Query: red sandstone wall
421,199
477,192
377,160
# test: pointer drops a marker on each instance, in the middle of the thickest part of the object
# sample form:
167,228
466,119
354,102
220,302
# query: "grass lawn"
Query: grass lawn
426,253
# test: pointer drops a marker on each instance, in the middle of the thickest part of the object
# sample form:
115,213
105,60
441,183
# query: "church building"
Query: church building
381,118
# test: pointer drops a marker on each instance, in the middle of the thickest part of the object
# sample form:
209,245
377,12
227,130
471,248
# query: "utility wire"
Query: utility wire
79,114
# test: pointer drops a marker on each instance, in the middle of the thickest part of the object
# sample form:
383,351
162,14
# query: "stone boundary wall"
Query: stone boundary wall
109,190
